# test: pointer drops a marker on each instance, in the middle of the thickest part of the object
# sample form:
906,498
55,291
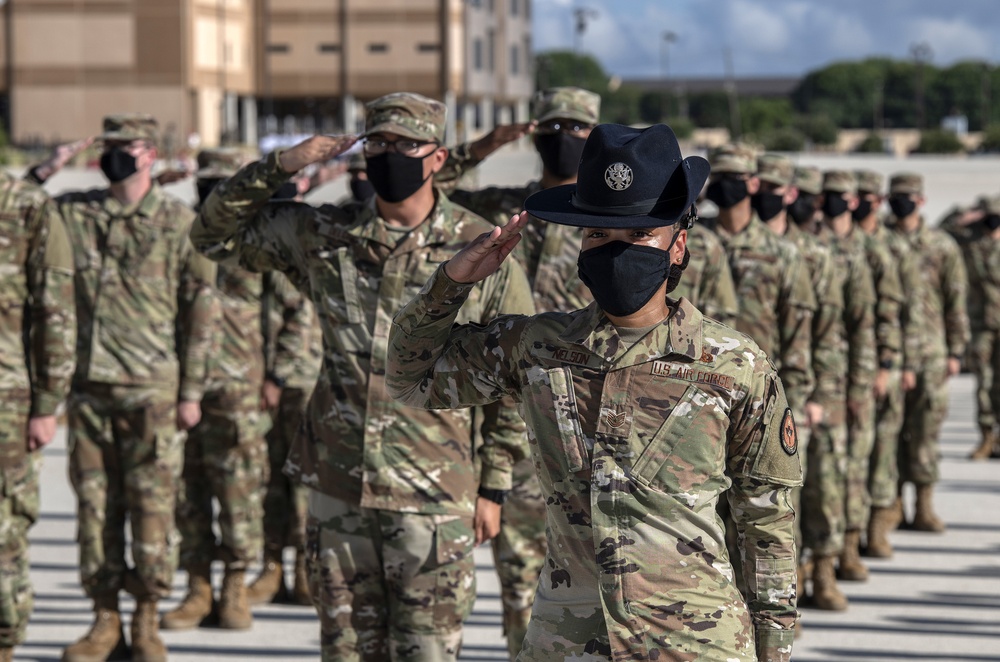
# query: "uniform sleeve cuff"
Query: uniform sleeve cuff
494,478
774,645
191,392
443,288
44,404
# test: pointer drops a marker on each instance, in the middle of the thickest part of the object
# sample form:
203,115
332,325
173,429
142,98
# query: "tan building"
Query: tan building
211,67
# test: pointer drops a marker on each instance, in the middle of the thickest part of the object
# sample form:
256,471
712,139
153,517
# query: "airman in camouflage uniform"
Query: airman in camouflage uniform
805,210
942,326
892,303
636,432
146,318
294,359
225,457
37,332
842,463
393,490
982,259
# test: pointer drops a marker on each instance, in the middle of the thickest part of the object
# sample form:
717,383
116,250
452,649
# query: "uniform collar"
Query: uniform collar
147,207
437,228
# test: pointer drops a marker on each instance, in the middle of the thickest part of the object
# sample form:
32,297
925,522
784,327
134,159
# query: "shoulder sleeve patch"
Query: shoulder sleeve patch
789,439
777,459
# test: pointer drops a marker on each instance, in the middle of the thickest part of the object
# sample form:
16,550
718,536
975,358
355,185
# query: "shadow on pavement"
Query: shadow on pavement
972,571
243,653
933,601
874,655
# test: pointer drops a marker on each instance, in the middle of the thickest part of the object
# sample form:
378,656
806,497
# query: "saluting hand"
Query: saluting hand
61,155
500,136
314,150
483,255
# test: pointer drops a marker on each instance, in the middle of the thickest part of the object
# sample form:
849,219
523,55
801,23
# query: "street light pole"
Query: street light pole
668,38
580,15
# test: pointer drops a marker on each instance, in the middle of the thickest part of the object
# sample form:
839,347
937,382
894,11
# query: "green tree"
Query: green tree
562,68
938,141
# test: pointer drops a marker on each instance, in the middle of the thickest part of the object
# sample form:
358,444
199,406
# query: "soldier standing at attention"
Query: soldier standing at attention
844,466
225,457
642,415
982,258
395,505
37,332
146,318
943,329
892,303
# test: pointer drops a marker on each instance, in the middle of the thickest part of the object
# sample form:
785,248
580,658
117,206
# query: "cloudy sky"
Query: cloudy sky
783,37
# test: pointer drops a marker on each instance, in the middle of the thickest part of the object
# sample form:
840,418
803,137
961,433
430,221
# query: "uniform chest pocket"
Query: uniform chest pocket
13,243
689,446
566,416
349,280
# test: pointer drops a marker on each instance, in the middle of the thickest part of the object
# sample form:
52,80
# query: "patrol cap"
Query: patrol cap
906,183
357,162
869,181
406,114
572,103
992,206
775,169
219,163
738,158
130,126
808,179
840,181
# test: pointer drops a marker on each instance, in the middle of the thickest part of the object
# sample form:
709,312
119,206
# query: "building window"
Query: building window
329,48
428,48
477,54
489,6
527,10
515,60
491,49
475,3
378,48
277,48
513,7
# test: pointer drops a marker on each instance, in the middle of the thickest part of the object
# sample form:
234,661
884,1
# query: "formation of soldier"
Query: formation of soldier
262,378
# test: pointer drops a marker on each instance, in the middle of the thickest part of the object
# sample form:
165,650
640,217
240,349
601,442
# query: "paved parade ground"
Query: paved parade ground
938,599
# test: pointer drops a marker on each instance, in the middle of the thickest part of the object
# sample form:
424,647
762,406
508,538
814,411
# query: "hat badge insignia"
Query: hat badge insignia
618,176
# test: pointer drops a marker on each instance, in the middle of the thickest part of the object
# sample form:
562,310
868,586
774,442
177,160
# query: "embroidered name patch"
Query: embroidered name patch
570,356
675,371
789,438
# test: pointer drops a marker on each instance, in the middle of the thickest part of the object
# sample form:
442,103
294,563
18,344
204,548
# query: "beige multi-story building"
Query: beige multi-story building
210,68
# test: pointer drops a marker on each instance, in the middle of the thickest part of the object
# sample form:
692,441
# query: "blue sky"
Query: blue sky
768,37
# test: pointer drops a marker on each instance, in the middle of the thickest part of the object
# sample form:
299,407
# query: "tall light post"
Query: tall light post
922,54
668,38
580,17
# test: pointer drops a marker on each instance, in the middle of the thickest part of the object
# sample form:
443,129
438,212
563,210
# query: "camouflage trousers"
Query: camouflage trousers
388,585
860,439
285,500
924,412
125,456
18,512
984,355
519,552
883,470
823,489
225,458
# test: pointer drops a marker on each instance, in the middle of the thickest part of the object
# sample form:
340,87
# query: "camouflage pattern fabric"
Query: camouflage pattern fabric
569,103
634,446
408,115
386,558
127,127
225,458
942,327
707,282
285,500
776,301
125,456
294,350
982,259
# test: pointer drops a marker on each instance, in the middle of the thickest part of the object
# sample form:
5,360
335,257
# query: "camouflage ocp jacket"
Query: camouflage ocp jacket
634,447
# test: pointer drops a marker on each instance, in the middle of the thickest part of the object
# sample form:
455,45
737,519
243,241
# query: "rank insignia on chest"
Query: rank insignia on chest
615,419
707,356
789,438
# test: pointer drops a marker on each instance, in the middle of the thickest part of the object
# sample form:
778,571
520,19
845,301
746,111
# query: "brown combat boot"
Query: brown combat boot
196,606
234,610
270,583
825,594
925,519
879,546
105,640
986,446
896,515
146,643
851,569
300,590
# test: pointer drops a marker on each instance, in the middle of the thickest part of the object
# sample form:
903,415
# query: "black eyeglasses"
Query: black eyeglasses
404,146
563,126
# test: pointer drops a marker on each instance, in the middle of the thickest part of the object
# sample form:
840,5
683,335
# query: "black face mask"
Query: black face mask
803,209
833,205
767,205
992,221
395,177
285,192
205,187
726,192
117,164
362,189
864,208
676,271
902,205
623,276
560,153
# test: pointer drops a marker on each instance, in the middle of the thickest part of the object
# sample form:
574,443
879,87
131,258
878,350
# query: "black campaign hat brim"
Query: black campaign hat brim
555,204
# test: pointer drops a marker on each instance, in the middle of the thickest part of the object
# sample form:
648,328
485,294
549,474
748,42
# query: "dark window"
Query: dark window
378,48
428,48
329,48
491,49
277,48
513,7
515,60
477,54
475,3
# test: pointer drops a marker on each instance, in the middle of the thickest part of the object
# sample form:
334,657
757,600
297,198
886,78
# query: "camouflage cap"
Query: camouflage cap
733,157
220,163
992,206
357,162
840,181
406,114
775,169
869,181
130,126
906,182
808,179
572,103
